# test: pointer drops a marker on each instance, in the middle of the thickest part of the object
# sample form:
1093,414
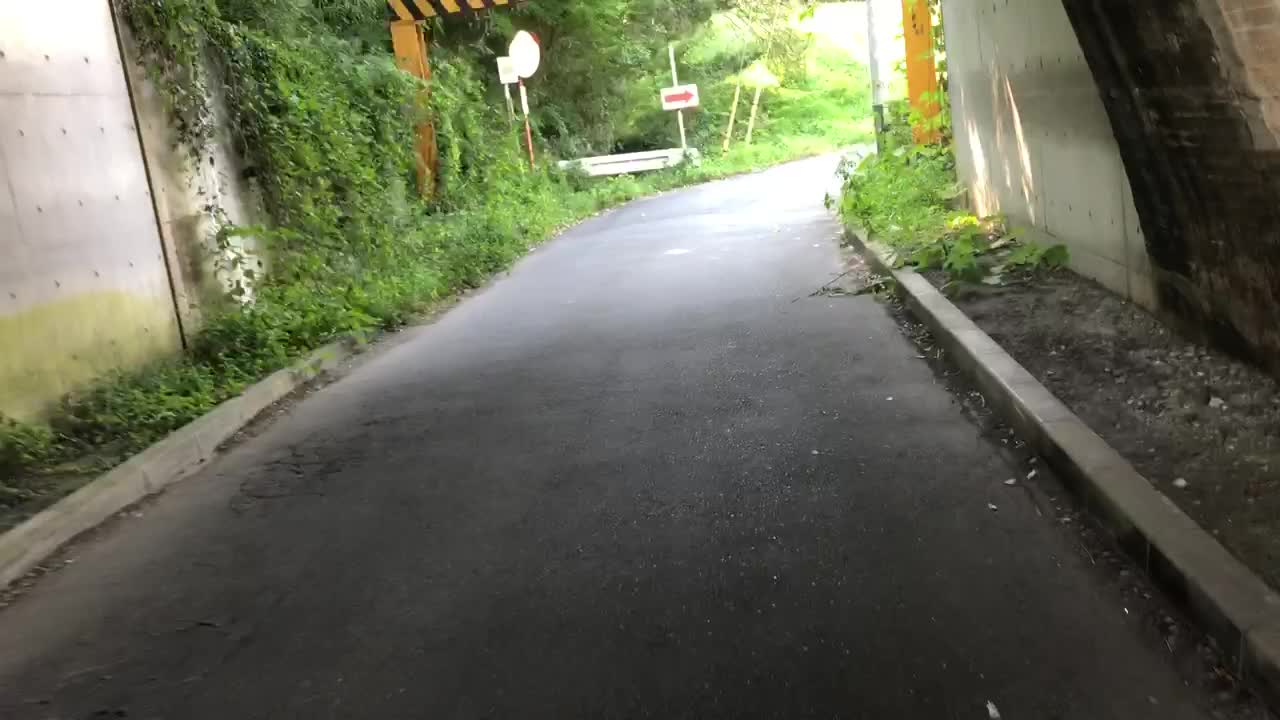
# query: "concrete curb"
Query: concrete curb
1233,604
159,466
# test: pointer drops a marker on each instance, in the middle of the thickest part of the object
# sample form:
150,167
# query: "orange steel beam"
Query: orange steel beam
922,75
423,10
409,42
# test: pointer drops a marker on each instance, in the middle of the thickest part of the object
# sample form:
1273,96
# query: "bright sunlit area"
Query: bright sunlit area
808,70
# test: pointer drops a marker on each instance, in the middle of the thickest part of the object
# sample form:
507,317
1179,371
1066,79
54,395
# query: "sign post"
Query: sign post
759,75
755,109
528,128
675,81
678,97
526,55
877,87
733,115
507,76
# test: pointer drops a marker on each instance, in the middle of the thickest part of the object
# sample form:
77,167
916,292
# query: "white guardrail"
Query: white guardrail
631,162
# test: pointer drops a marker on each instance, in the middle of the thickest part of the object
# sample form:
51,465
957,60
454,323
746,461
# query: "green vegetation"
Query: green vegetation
325,124
907,197
821,102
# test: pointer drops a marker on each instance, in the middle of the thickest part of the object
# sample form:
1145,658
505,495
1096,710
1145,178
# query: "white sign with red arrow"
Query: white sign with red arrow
680,97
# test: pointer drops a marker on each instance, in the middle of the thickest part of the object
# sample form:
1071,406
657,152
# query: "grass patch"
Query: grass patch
908,198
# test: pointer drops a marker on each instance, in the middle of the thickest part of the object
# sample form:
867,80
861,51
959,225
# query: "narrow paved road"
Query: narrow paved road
648,475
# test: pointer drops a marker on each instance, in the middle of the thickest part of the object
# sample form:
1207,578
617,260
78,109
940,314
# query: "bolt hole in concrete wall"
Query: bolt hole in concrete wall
1033,140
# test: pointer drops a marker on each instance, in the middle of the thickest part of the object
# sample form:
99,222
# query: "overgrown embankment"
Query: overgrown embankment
325,125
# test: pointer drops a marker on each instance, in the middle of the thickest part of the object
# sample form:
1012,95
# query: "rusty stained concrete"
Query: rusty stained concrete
1187,85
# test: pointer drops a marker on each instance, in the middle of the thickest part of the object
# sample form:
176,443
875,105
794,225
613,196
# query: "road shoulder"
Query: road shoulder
1233,604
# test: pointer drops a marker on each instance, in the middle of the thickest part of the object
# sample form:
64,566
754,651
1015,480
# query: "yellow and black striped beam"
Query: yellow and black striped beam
420,10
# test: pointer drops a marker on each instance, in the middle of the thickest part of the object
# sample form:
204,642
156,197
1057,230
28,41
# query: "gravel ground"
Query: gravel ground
1204,428
1197,657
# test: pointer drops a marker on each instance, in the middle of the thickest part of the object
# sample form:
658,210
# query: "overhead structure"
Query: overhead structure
422,10
409,41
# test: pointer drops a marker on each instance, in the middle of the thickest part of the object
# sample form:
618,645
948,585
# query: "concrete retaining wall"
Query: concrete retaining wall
83,280
1033,140
95,273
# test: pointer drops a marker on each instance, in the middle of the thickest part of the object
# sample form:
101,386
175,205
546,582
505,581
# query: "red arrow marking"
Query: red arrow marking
684,96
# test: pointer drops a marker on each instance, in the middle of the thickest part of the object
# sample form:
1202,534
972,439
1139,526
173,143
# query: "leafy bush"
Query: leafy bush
21,447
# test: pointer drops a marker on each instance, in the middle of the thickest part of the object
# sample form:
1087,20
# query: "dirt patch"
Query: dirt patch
1203,428
1162,626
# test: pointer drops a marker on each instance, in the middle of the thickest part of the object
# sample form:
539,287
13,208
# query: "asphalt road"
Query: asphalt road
647,475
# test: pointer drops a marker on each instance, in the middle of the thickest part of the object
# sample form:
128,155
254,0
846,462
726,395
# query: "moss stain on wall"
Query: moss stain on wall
50,349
